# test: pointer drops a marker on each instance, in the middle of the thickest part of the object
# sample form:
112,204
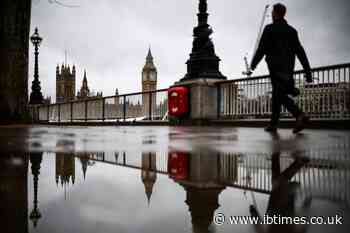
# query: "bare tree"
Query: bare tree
62,4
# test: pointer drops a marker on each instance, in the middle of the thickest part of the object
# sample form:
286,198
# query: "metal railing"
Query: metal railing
328,97
141,106
325,175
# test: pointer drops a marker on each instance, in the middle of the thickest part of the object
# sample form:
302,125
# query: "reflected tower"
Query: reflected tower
148,173
65,168
65,164
84,160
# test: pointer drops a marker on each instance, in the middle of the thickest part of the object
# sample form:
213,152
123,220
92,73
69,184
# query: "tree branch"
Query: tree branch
62,4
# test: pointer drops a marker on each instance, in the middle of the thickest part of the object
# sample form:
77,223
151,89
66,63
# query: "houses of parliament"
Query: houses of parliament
66,83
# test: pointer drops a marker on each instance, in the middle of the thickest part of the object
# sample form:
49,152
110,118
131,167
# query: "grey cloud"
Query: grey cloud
110,38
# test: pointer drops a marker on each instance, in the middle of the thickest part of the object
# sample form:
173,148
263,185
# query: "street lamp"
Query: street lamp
35,160
203,62
36,96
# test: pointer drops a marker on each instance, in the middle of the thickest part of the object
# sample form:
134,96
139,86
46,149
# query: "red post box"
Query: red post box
178,103
178,165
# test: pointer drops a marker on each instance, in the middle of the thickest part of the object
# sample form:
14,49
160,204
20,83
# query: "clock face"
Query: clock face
149,76
144,77
153,76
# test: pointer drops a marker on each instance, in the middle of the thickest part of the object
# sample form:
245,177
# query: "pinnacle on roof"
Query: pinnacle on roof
149,55
85,79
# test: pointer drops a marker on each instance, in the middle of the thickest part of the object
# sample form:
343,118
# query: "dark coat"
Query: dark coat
280,44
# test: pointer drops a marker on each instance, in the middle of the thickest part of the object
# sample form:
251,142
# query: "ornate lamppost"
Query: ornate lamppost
203,62
36,96
35,159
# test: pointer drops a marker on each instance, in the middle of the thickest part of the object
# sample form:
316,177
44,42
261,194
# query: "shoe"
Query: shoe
302,120
271,129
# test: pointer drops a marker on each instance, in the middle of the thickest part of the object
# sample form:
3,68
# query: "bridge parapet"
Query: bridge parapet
327,98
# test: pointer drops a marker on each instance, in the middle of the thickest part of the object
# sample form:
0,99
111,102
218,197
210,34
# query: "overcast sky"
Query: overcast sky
110,38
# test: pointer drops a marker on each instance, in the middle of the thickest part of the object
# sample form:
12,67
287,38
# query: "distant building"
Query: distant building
65,84
325,99
149,83
136,107
316,99
85,92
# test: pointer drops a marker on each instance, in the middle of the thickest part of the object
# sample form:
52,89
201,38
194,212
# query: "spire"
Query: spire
84,90
65,57
84,79
84,172
149,194
148,173
148,184
84,160
149,55
149,61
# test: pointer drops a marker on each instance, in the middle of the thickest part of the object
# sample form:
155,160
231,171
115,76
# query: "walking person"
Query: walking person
280,45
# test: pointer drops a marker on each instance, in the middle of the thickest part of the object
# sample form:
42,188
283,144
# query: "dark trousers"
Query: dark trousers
279,98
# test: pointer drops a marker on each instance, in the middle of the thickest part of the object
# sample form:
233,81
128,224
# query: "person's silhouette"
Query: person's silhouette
280,44
282,196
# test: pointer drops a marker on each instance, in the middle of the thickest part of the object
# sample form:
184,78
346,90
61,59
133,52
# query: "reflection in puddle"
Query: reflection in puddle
172,191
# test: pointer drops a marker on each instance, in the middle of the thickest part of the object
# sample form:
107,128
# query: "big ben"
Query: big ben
149,83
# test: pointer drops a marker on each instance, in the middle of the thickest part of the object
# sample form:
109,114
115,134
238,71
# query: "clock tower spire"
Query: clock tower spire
149,72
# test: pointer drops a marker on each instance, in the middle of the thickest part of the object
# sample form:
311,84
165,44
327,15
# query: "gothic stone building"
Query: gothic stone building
85,92
65,84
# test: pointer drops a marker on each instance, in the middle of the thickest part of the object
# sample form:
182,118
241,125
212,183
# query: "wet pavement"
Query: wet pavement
170,179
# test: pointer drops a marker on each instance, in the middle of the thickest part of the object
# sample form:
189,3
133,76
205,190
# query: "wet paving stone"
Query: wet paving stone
172,179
